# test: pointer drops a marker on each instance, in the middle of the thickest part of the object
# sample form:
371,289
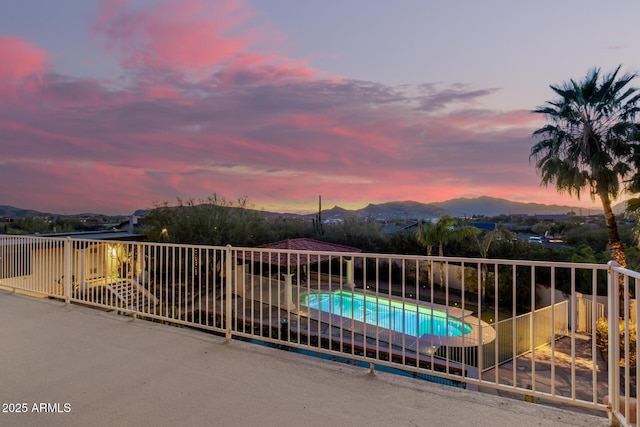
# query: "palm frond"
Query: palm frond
633,205
591,135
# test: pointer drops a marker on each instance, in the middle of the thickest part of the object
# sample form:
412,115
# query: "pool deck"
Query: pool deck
113,370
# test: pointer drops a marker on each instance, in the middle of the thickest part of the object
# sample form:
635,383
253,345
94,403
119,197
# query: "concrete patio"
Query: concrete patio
112,370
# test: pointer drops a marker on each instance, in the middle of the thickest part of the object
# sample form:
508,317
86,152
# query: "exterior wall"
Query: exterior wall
42,269
91,263
543,296
47,270
585,312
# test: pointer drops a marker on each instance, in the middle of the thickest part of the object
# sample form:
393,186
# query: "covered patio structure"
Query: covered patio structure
285,258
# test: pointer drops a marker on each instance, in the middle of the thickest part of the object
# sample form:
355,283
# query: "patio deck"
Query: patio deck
113,370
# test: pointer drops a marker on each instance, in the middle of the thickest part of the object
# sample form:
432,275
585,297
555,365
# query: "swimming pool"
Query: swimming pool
403,317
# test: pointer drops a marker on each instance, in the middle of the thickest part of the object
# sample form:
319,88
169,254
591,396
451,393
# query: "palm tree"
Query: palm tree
440,233
427,236
484,242
588,141
633,186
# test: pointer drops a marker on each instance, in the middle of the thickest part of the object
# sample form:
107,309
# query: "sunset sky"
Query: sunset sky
110,106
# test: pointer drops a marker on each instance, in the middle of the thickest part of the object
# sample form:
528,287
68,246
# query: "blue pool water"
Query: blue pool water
411,319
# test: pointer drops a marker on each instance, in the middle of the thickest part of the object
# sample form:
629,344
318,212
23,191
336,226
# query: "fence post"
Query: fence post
613,355
67,269
227,298
579,307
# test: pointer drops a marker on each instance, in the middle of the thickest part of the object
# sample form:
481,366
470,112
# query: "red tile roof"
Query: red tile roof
272,256
305,244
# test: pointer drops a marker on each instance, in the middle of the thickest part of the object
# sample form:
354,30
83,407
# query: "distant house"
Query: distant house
333,221
128,224
99,260
553,217
391,229
97,235
488,226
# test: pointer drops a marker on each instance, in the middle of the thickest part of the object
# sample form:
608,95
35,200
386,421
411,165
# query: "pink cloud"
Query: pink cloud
202,108
306,121
43,135
194,35
70,187
21,66
162,92
171,34
486,120
197,39
185,149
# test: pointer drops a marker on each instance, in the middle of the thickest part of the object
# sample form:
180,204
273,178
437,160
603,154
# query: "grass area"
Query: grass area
488,314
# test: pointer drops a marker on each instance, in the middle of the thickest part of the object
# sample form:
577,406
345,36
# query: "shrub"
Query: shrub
602,339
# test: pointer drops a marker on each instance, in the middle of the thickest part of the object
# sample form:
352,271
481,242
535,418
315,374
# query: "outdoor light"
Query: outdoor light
431,350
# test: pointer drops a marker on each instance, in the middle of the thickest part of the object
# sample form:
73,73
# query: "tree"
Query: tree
441,232
427,236
589,141
211,221
30,225
484,241
354,232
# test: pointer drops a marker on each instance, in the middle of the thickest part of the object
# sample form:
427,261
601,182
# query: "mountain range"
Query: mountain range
480,206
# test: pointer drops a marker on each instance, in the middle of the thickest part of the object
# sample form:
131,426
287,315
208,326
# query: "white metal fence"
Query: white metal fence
623,346
470,322
514,335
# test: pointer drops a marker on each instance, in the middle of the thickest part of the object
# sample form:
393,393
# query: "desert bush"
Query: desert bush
602,339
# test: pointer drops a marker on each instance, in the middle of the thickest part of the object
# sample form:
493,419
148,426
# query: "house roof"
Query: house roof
390,229
273,256
552,217
306,244
484,225
95,235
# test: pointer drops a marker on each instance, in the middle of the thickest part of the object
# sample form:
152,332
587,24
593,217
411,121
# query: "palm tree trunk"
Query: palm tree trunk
615,245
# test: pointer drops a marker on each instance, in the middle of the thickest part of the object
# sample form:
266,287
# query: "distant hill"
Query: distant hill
10,211
13,212
401,210
620,208
335,212
490,206
384,211
487,206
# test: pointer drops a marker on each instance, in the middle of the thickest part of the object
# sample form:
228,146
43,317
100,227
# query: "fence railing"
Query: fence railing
514,335
623,346
472,322
589,310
